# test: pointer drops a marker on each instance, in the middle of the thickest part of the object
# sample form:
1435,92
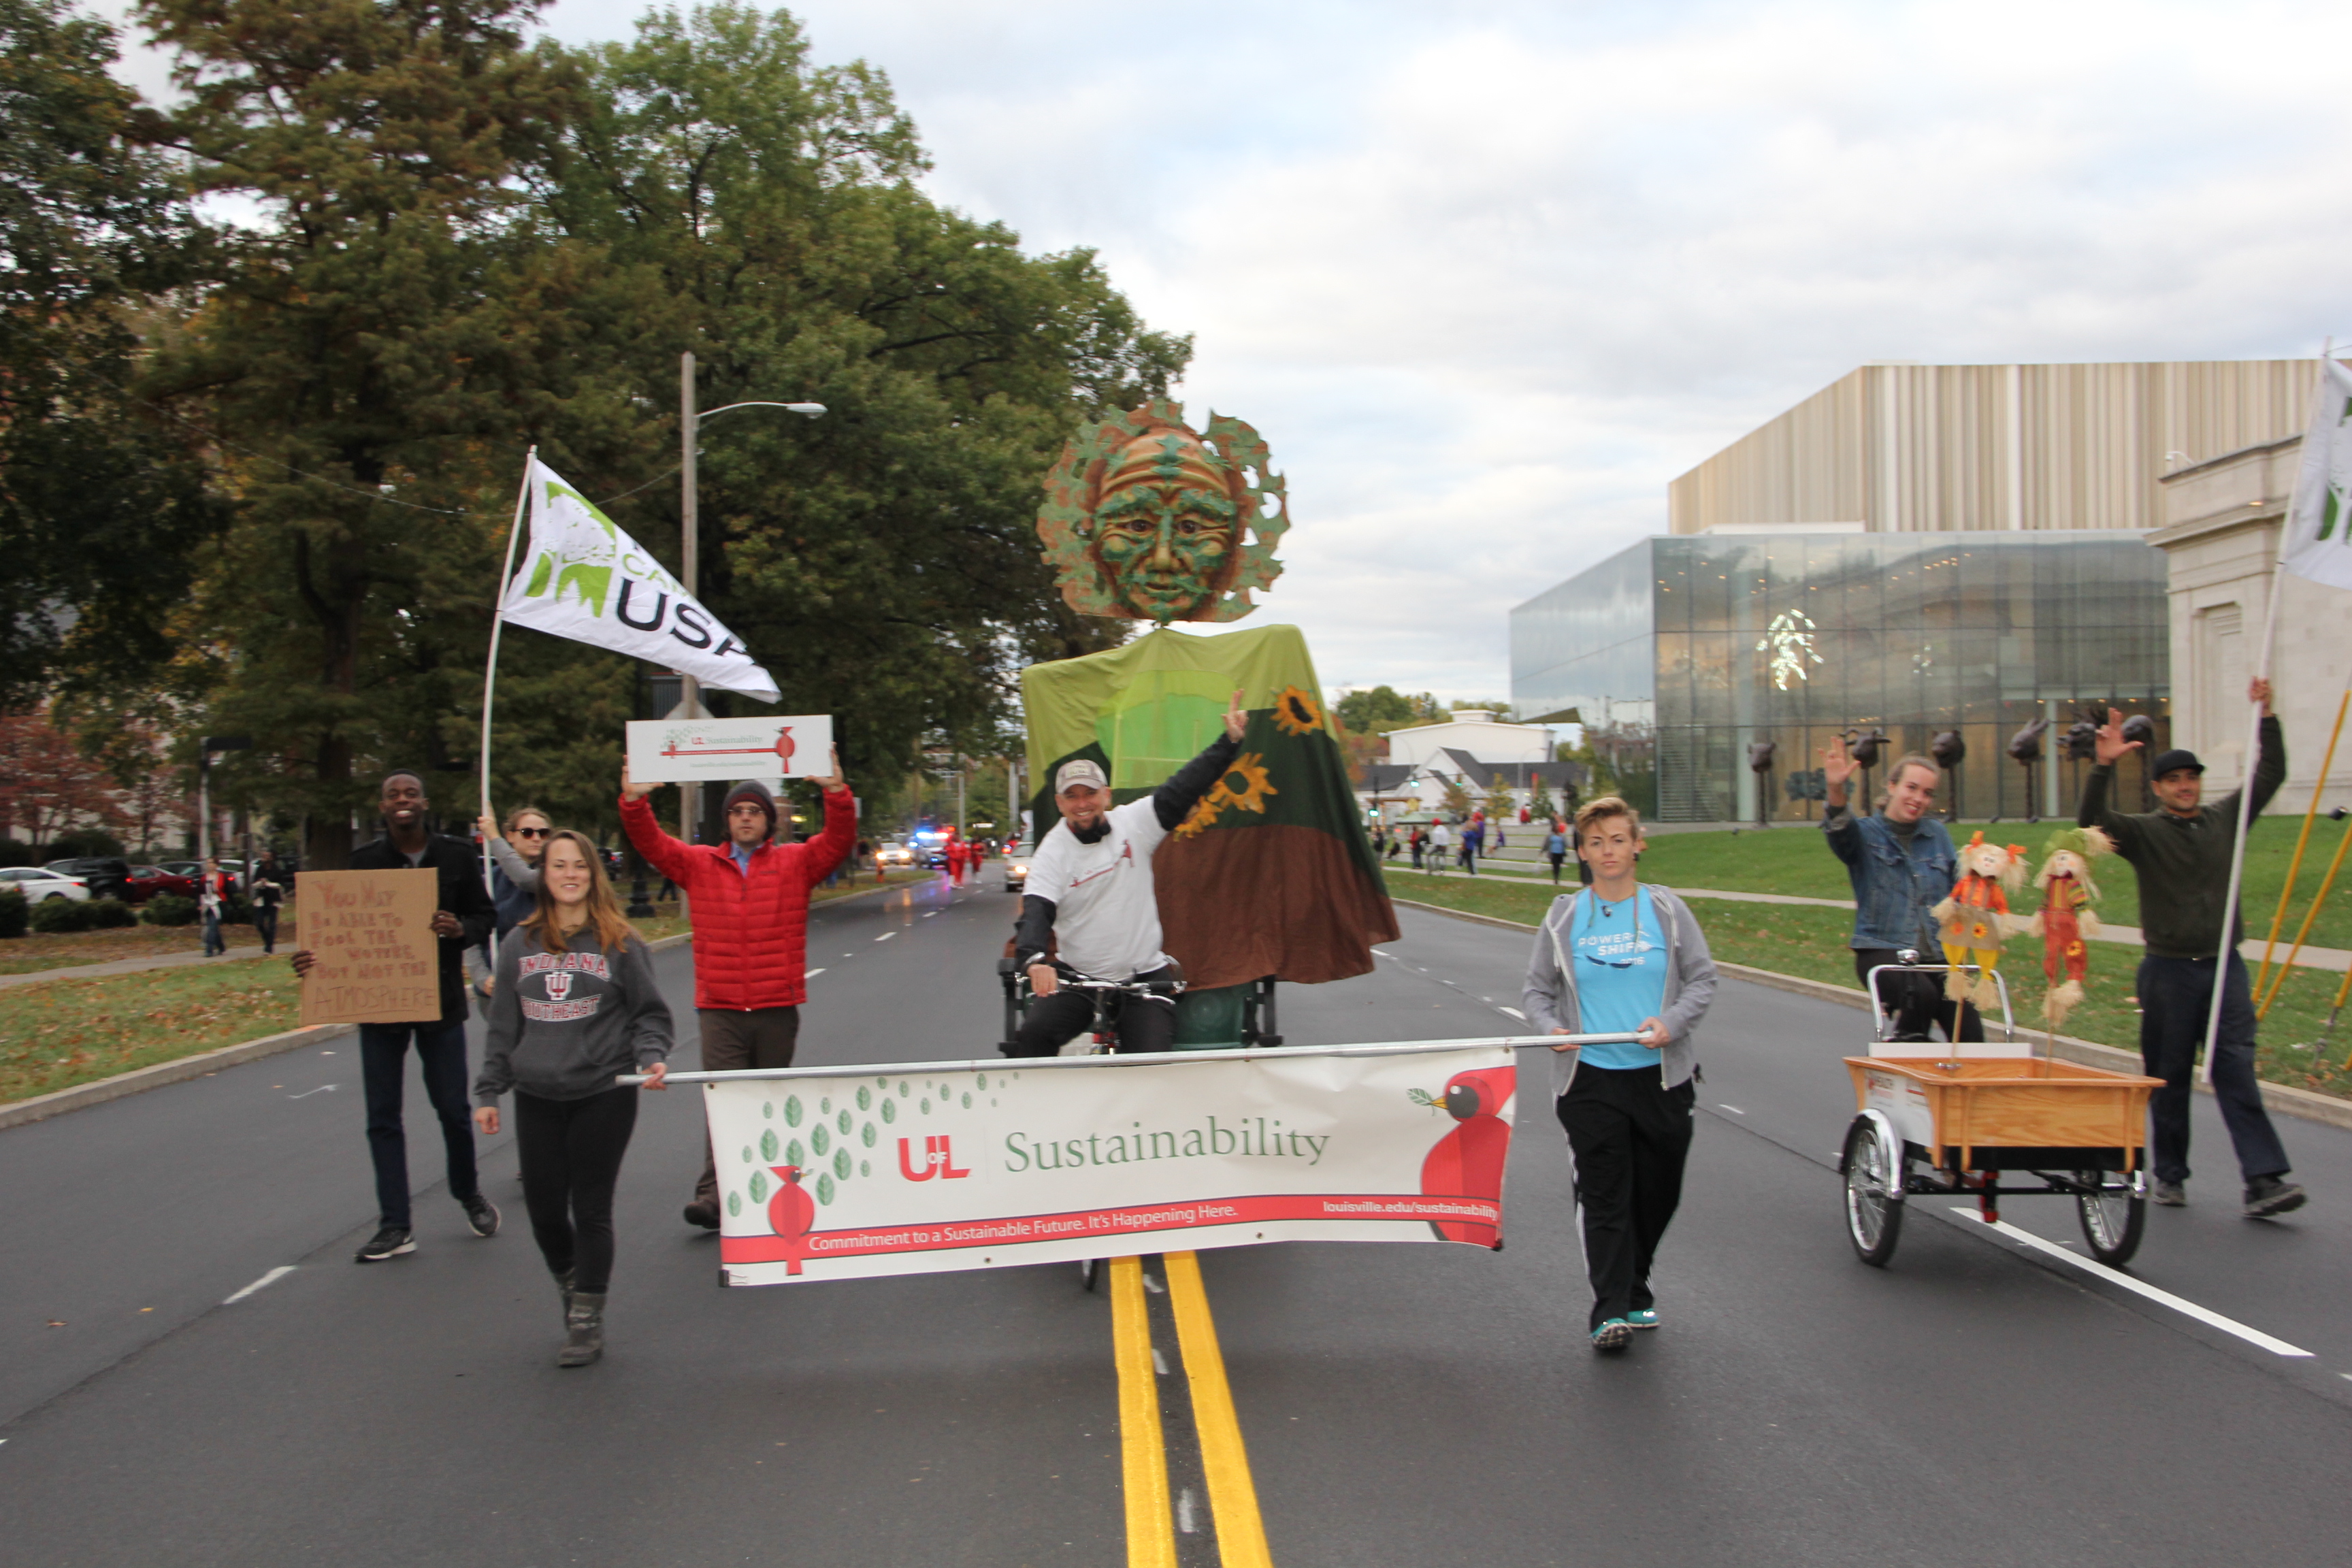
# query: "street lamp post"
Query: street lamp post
689,426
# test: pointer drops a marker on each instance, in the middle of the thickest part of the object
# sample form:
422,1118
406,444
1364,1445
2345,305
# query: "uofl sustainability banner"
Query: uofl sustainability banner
917,1169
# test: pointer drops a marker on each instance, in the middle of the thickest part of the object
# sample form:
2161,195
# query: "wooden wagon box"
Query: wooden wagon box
1995,1113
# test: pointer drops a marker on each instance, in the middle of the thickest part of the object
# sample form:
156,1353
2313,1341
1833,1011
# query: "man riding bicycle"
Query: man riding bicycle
1090,891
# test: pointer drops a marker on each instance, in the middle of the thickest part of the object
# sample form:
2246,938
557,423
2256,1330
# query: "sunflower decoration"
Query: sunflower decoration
1295,712
1244,786
1205,811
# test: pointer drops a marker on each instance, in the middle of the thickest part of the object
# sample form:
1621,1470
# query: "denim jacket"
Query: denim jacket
1892,892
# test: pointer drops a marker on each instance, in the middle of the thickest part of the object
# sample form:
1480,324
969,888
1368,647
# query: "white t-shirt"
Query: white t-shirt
1106,910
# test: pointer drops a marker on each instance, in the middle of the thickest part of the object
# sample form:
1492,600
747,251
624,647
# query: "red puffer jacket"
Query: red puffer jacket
750,933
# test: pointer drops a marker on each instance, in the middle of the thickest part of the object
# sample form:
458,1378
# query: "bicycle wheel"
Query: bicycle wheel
1874,1218
2112,1216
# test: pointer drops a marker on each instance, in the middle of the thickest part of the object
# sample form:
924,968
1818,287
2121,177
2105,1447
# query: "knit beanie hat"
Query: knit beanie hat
757,794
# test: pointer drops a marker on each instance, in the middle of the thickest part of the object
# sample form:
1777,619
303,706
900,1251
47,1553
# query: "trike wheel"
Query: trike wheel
2113,1213
1873,1186
1089,1269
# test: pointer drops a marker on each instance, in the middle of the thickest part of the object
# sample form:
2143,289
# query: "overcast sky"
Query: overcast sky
1487,276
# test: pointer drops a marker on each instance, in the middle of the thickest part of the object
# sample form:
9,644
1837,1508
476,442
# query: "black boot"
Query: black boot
584,1323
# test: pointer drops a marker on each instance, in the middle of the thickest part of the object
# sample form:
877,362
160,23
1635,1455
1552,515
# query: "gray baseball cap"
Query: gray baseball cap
1080,772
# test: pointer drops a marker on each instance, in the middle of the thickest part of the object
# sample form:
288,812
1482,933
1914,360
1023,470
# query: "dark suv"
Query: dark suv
107,876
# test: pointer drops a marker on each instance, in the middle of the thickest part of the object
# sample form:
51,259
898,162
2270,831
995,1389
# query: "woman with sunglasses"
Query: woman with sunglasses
514,876
576,1004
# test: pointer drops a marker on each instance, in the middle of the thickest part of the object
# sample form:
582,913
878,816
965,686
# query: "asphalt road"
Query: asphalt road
1978,1401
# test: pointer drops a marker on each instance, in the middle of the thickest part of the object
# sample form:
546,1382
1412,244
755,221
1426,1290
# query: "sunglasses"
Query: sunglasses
532,832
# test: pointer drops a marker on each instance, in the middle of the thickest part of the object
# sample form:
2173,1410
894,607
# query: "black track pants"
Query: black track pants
1146,1024
1628,1139
571,1152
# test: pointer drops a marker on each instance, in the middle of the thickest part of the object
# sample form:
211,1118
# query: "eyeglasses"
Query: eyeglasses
532,832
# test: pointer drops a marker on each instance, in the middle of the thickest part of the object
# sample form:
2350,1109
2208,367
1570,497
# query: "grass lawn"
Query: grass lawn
26,954
1793,939
58,1033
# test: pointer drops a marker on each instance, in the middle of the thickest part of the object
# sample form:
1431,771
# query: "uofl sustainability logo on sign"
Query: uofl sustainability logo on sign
908,1169
587,580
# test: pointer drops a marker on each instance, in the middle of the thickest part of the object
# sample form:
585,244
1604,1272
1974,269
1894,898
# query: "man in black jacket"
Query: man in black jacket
463,919
1090,893
2181,854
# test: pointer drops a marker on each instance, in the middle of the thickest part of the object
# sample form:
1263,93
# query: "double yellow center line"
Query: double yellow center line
1151,1507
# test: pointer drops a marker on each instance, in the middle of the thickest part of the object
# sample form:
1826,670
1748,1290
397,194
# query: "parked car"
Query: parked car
1017,873
188,869
39,884
105,876
146,881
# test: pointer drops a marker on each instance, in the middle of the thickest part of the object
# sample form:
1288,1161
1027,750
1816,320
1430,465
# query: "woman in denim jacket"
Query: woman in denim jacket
1902,864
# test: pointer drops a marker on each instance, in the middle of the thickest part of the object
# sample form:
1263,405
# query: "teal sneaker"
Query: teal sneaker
1613,1335
1647,1318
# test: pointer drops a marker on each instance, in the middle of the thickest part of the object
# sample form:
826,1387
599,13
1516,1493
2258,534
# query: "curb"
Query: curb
41,1107
2302,1103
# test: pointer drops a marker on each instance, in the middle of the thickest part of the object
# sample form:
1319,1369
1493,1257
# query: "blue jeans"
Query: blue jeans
2175,994
441,1054
213,943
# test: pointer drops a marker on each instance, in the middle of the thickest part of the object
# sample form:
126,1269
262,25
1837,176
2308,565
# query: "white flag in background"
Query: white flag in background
587,580
2318,543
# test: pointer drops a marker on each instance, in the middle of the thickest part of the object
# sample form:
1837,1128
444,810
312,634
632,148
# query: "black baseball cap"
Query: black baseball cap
2174,761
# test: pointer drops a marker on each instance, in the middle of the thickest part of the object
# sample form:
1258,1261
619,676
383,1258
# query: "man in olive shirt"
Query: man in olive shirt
2181,854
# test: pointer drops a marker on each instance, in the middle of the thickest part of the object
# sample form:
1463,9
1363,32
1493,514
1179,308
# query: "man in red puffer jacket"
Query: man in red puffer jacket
749,899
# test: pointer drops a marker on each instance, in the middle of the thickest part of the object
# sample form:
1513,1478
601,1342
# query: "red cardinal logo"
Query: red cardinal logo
790,1212
784,747
1468,1161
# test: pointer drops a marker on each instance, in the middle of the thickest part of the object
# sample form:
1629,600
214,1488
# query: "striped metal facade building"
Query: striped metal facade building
1911,448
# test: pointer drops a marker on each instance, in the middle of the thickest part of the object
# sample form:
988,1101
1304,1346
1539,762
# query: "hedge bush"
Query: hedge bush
14,913
169,910
110,914
52,916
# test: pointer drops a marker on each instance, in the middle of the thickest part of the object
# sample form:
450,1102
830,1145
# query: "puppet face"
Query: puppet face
2064,863
1984,859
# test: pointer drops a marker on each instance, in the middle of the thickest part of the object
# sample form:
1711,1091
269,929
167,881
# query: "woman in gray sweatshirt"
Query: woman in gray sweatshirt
576,1004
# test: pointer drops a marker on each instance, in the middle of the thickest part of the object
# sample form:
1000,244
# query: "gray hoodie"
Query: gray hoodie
1549,997
564,1025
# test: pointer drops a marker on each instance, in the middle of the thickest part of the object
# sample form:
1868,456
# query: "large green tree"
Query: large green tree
883,559
100,498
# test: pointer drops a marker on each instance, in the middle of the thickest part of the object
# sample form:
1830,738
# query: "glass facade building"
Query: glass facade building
1693,646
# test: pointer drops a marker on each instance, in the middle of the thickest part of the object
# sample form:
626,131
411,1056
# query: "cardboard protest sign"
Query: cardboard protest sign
827,1175
371,933
715,751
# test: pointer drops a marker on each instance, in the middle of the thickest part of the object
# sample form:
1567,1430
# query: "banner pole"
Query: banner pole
2254,748
497,625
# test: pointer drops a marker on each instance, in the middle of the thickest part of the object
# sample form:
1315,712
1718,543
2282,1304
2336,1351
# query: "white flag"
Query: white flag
2318,543
587,580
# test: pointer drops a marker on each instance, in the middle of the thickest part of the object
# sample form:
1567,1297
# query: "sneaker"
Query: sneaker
481,1214
703,1212
2267,1197
389,1242
1646,1318
2169,1194
1613,1335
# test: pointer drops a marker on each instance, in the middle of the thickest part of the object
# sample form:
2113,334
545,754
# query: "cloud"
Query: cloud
1487,277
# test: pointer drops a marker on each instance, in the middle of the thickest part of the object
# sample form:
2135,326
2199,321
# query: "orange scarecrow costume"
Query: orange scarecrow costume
1974,919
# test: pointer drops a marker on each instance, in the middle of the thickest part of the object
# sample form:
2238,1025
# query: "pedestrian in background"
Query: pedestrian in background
264,893
212,898
749,899
2181,853
462,919
1621,957
1441,846
1901,863
1474,839
1556,851
576,1004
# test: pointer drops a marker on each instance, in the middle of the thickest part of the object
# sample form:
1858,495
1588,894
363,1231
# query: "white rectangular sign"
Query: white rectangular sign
916,1169
711,751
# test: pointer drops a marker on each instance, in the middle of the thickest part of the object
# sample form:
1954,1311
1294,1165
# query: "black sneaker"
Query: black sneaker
389,1242
482,1215
2169,1194
2267,1197
703,1212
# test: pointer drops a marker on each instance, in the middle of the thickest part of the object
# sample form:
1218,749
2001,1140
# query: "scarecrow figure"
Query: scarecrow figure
1975,920
2066,920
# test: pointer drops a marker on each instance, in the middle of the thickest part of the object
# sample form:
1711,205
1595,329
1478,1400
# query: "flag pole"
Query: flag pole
497,625
2252,753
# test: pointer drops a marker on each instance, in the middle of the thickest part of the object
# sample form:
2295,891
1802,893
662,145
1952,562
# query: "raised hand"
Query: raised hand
1836,766
632,791
1237,719
2109,744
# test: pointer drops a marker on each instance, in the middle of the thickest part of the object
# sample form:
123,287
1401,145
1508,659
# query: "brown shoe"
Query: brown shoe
703,1212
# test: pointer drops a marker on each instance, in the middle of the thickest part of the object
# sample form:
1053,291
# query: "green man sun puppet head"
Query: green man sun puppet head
1146,519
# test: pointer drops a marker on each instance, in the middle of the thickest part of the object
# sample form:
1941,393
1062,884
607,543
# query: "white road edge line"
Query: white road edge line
812,973
1736,1111
280,1272
2205,1315
1514,1012
886,936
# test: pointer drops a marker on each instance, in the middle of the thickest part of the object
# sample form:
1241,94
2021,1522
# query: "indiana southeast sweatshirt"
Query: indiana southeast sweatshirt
564,1025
